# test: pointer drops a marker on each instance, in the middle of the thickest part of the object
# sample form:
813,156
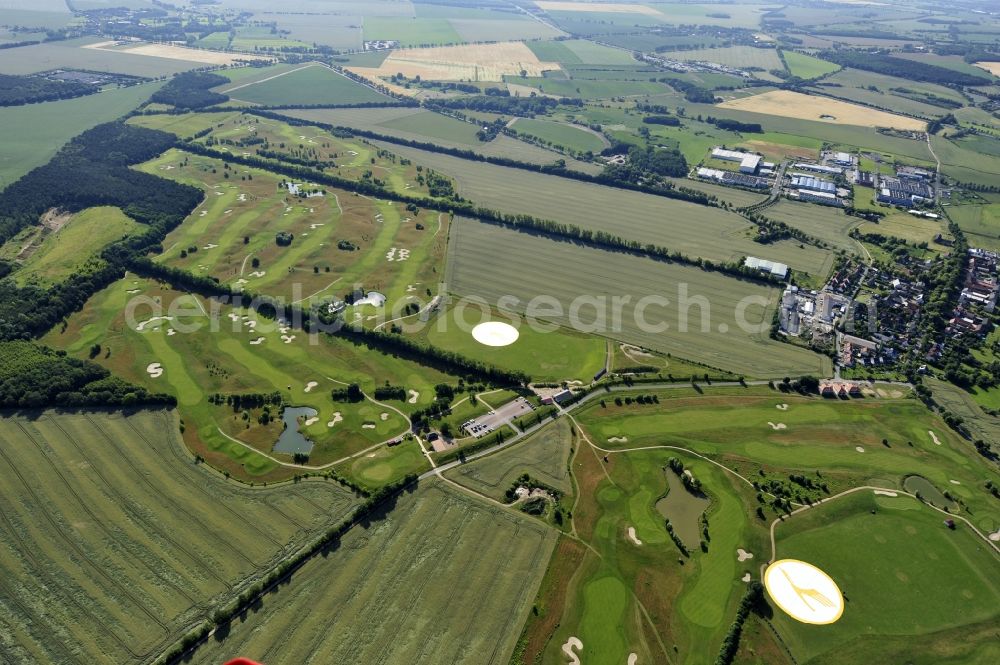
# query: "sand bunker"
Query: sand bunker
568,649
414,396
171,332
383,416
337,417
259,340
495,333
743,555
368,426
155,370
618,439
311,421
776,425
142,324
631,536
886,493
287,339
633,658
995,537
934,438
954,482
859,449
781,407
310,386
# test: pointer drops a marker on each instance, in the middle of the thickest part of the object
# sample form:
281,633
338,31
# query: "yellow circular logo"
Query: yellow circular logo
804,592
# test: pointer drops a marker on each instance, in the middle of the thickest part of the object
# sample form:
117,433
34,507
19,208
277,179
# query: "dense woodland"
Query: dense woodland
18,90
34,376
191,91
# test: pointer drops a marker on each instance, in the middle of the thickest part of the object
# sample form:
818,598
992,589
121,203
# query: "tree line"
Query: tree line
910,70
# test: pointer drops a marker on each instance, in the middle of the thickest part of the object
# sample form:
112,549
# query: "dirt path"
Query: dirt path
269,78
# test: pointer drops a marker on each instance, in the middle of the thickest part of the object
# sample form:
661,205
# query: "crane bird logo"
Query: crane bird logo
804,592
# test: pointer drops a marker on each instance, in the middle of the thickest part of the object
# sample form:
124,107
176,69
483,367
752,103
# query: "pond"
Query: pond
292,441
683,509
927,491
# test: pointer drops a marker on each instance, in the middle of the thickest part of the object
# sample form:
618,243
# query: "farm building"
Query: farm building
813,184
770,267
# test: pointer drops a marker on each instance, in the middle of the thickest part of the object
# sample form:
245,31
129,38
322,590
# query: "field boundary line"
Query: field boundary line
269,78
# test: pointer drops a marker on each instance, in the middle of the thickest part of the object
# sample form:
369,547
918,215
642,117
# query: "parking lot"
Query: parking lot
488,422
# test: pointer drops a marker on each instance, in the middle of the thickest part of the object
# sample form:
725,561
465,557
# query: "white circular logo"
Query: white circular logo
804,592
495,333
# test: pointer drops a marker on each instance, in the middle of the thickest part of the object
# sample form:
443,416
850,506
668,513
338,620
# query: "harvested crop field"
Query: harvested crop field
172,52
473,62
789,104
601,7
991,67
441,578
693,229
92,568
490,262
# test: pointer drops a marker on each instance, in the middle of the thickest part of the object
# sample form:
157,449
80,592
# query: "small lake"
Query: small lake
683,509
929,493
292,440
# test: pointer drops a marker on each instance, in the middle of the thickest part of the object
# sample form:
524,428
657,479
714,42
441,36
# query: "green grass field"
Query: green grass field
912,229
981,222
313,84
589,89
806,66
828,224
545,456
563,274
559,134
411,31
32,134
544,354
391,587
237,223
53,256
905,574
238,352
127,541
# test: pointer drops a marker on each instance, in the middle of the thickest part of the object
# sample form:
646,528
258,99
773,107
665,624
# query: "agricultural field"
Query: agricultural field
579,52
74,53
411,31
31,134
545,352
735,56
806,66
695,230
981,222
126,540
828,224
311,84
178,343
789,104
561,134
914,230
534,267
587,89
64,244
972,159
473,62
393,582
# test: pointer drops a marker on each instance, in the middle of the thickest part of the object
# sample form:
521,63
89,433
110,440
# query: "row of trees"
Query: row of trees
910,70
